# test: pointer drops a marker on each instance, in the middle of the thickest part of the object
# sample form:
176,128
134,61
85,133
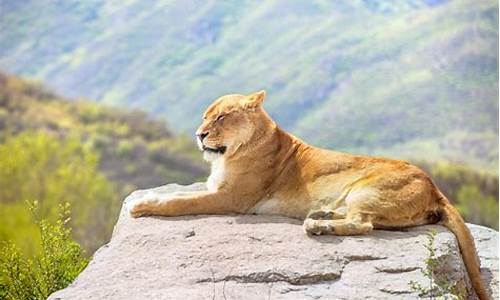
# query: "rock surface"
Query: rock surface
266,257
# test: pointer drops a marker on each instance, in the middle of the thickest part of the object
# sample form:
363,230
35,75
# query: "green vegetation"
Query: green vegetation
439,285
414,79
38,167
128,142
54,151
53,268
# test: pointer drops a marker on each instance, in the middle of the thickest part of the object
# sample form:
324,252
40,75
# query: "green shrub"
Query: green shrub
476,206
439,285
40,166
55,267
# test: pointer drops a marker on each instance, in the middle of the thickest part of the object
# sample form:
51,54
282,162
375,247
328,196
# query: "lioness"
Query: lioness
257,168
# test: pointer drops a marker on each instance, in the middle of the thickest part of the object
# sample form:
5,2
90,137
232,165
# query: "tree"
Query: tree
36,166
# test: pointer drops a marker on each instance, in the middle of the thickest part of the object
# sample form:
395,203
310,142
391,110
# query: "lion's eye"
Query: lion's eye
219,118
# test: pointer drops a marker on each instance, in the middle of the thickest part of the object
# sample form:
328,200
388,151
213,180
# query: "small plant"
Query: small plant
55,267
438,284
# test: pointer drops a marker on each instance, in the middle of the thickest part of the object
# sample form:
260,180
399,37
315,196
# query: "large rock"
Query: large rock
266,257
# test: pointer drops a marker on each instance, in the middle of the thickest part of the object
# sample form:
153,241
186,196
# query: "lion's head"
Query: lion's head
229,123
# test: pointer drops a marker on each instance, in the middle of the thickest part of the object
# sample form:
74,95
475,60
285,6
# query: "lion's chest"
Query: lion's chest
217,175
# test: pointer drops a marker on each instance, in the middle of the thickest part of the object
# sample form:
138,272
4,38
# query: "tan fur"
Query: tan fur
265,170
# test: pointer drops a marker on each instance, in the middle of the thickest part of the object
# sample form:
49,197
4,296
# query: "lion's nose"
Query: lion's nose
202,135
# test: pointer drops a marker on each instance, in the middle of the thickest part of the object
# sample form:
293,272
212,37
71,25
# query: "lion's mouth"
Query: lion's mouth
219,150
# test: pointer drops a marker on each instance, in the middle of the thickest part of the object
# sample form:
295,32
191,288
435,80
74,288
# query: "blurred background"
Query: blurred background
98,98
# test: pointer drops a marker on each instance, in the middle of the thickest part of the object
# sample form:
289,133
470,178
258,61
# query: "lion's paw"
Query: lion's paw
138,206
317,227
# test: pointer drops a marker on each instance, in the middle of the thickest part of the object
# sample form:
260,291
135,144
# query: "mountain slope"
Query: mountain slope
413,79
135,150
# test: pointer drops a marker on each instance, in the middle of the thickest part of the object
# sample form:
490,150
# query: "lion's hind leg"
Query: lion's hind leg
345,226
327,214
336,222
343,220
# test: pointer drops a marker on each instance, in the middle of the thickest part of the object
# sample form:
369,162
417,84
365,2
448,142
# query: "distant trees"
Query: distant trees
35,166
136,150
477,206
54,150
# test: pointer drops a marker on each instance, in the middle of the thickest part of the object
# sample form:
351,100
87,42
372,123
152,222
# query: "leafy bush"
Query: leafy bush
476,206
39,166
439,285
54,268
53,150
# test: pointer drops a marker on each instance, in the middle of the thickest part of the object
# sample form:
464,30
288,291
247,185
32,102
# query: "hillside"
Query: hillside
415,79
54,151
136,151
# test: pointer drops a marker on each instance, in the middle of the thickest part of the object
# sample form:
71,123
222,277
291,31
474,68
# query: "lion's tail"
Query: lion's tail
453,221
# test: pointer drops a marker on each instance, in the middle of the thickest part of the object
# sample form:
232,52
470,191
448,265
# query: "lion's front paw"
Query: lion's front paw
138,211
141,206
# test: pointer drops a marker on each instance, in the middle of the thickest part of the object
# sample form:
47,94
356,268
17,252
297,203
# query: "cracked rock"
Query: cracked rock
189,233
266,257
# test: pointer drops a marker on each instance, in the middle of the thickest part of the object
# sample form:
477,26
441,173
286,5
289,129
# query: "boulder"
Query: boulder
267,257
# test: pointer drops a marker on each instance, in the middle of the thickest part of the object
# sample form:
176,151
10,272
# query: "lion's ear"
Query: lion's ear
254,100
